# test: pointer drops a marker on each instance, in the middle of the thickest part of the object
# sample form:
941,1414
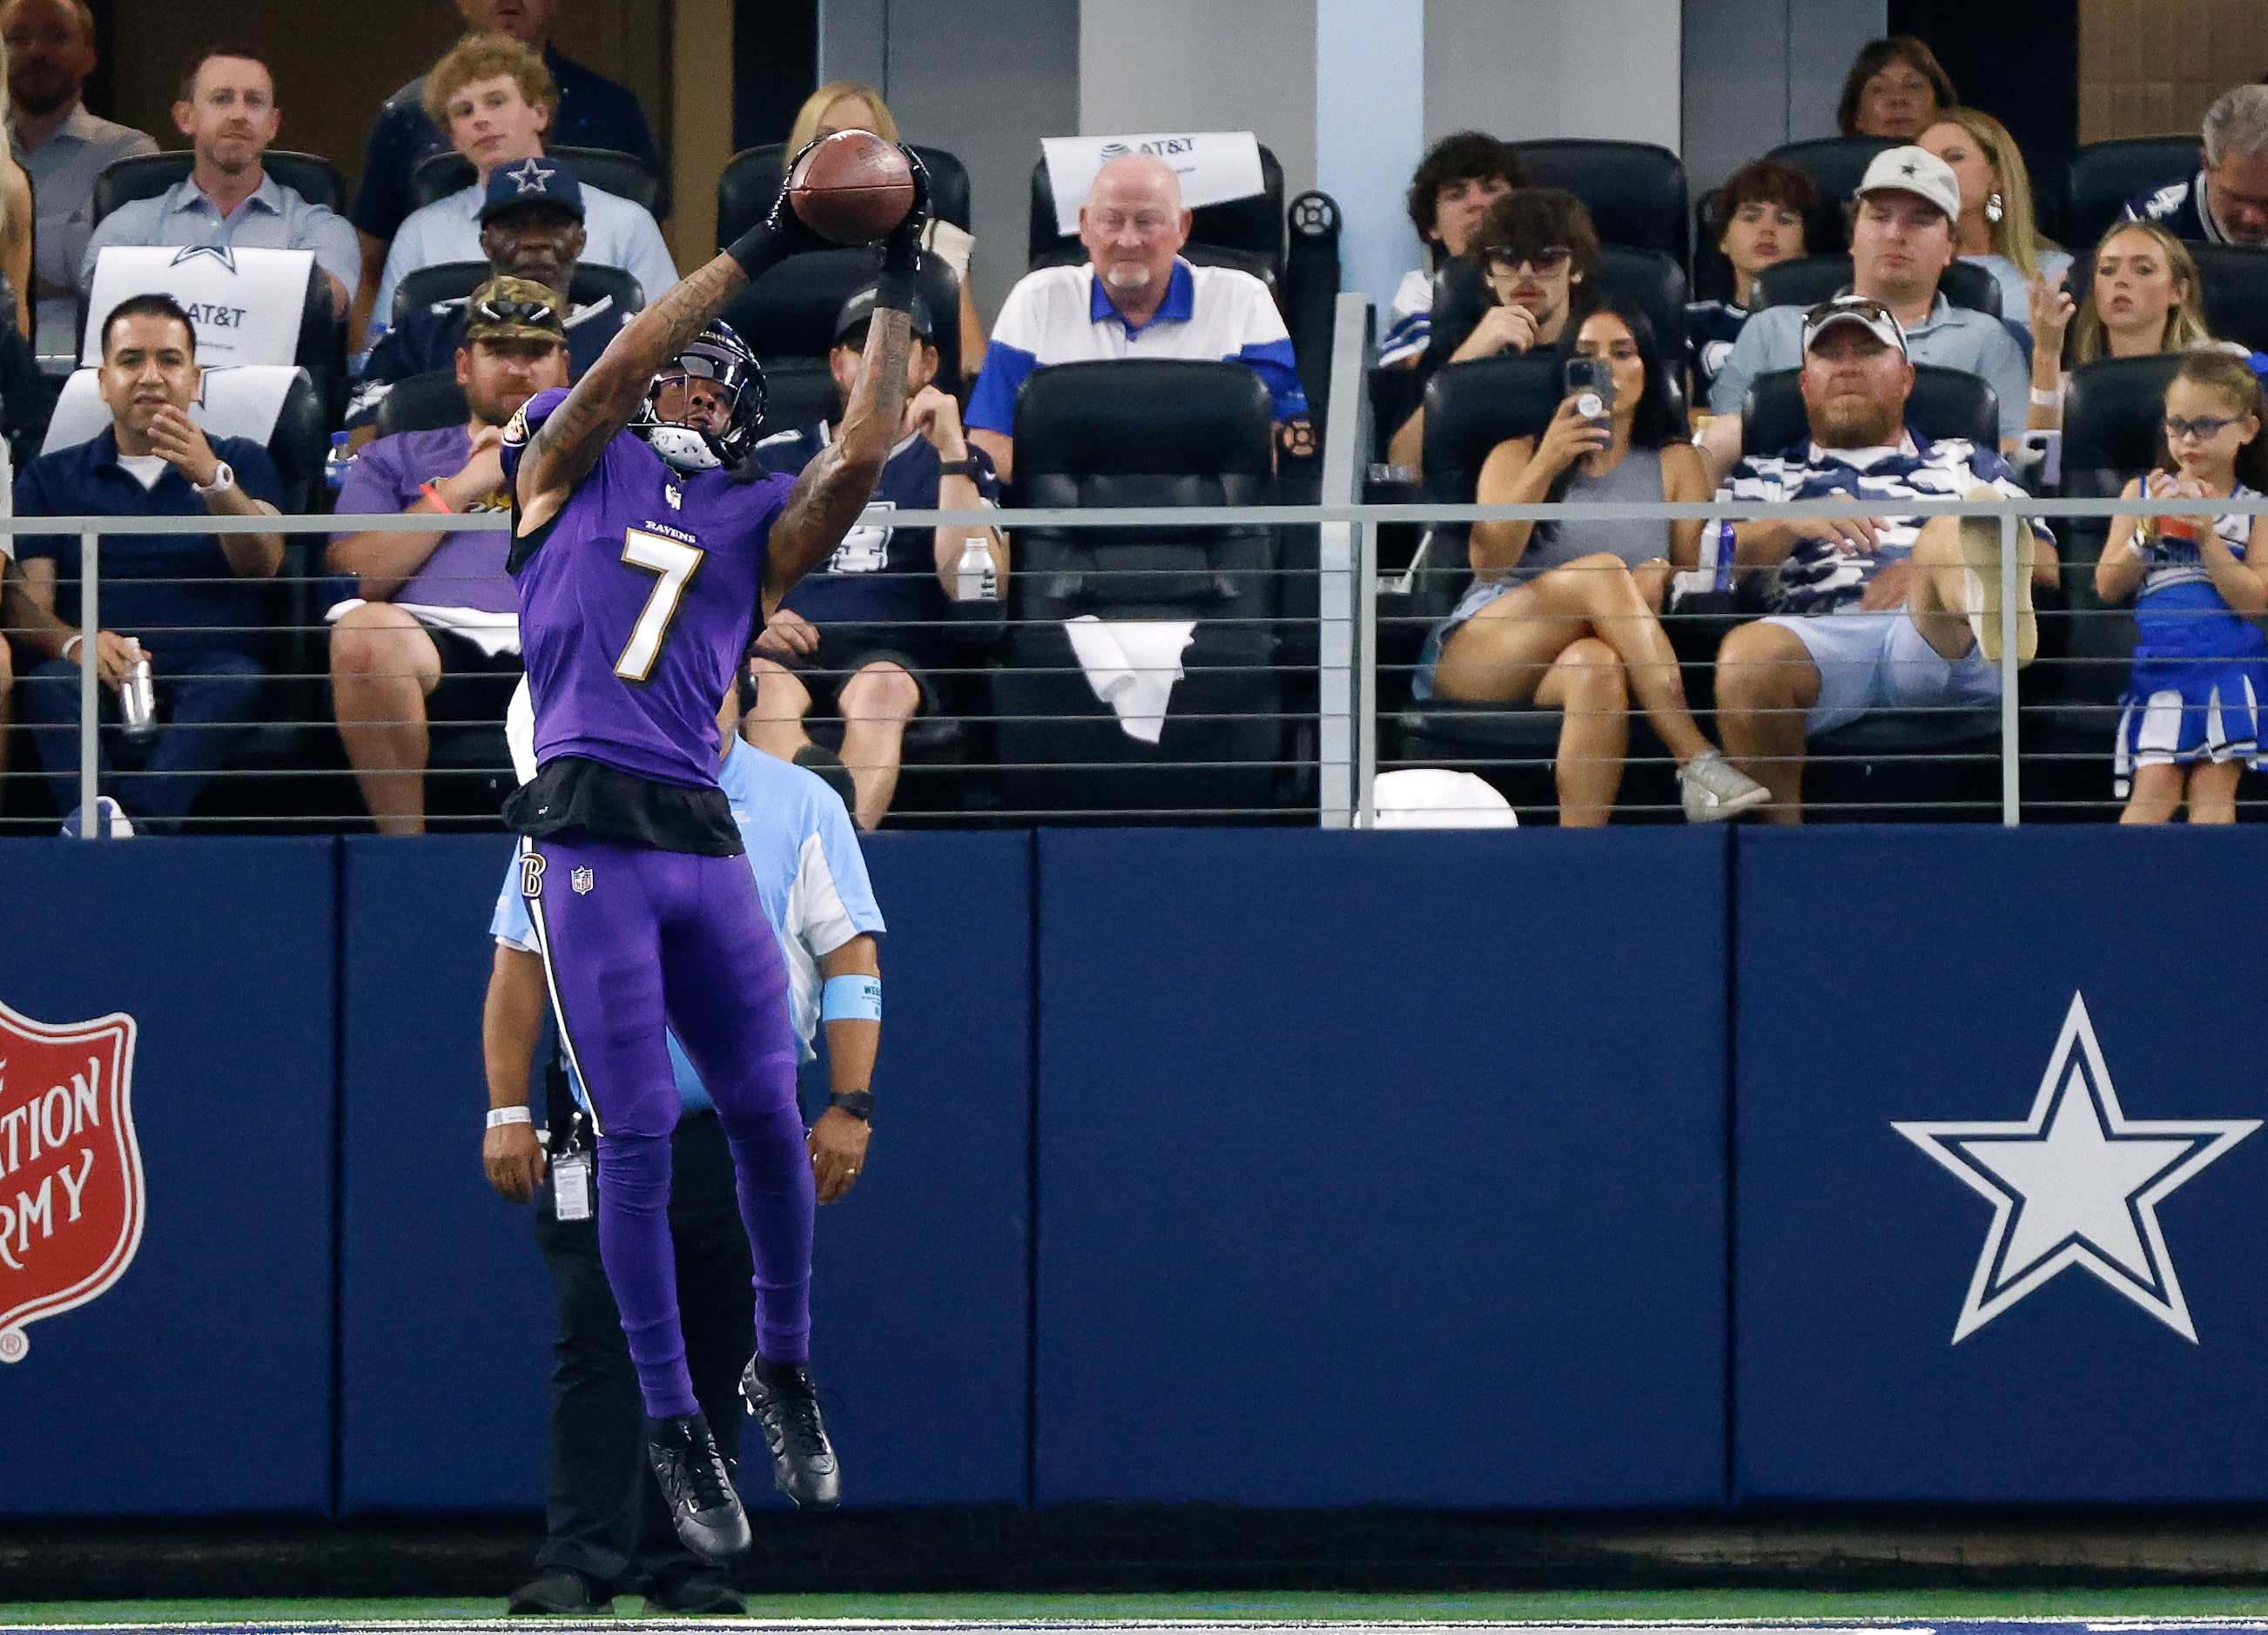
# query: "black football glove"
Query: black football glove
780,234
902,248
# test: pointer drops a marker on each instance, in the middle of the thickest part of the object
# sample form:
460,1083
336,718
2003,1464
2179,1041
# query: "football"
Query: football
851,186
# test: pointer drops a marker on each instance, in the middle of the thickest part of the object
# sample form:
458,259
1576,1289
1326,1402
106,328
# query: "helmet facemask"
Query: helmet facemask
715,366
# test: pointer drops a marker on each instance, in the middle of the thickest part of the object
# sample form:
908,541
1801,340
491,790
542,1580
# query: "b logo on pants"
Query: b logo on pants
531,876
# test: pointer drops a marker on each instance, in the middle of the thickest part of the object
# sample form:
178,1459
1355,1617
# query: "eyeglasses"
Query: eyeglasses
2204,428
1550,258
537,314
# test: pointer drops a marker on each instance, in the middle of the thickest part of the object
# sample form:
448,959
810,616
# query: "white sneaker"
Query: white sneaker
1980,553
1713,789
110,819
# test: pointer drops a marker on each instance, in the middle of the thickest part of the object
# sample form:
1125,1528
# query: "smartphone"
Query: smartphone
1591,383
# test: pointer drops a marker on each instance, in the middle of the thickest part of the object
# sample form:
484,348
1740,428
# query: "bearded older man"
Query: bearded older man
1870,613
1135,296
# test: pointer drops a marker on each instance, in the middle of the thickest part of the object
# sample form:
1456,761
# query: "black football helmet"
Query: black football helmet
720,356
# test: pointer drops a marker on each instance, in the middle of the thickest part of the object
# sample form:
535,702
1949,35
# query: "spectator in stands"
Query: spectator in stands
1563,614
23,618
1879,613
189,599
2226,202
495,98
591,112
863,632
1759,215
2143,298
228,112
62,147
533,231
846,105
1895,89
1996,230
2189,725
438,608
1458,178
1539,254
1135,296
1901,243
16,209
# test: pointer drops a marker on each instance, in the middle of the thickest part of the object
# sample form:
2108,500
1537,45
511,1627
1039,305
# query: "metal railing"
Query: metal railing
1335,683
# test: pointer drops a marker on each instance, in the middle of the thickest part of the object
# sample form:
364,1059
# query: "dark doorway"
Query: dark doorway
2017,60
774,67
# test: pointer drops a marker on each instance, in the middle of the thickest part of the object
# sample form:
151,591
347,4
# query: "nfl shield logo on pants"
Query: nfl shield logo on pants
71,1200
581,879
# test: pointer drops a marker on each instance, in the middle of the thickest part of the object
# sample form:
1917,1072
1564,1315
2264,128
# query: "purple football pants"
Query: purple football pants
633,939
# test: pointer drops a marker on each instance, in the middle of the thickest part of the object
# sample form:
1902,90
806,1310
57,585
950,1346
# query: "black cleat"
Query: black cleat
693,1479
563,1594
703,1594
803,1459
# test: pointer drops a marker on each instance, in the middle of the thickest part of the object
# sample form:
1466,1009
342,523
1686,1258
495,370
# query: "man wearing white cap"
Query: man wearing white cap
1888,612
1903,237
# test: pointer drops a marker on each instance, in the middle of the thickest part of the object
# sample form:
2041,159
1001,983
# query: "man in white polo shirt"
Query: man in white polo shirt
1135,298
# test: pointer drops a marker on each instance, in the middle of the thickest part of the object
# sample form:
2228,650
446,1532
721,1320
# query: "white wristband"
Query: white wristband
2047,400
74,642
499,1117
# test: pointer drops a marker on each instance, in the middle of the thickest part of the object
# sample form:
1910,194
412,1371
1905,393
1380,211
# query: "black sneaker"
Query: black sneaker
563,1594
803,1459
692,1476
699,1593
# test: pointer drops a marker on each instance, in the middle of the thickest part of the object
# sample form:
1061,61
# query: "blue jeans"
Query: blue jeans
204,706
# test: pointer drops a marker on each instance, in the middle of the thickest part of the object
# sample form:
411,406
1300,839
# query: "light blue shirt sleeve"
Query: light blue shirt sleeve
1764,339
509,924
332,238
2001,362
838,845
404,256
135,222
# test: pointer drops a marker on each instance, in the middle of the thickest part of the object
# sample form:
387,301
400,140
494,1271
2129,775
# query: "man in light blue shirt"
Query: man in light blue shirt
228,112
608,1528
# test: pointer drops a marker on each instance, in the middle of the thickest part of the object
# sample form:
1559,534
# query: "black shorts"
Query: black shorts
475,687
845,649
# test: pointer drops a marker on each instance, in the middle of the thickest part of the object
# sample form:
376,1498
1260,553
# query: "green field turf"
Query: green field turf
1888,1605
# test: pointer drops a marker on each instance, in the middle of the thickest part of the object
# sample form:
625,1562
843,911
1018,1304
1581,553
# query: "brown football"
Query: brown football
851,186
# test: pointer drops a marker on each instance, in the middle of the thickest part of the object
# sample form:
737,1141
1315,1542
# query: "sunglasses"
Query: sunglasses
539,314
1549,258
2204,428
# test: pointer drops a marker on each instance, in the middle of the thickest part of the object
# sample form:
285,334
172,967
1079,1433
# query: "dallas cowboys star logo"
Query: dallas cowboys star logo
2077,1183
220,253
532,178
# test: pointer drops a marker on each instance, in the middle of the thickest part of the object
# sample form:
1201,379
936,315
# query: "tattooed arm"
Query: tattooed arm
835,486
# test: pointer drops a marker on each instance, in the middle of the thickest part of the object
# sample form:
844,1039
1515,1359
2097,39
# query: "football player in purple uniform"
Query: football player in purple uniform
648,550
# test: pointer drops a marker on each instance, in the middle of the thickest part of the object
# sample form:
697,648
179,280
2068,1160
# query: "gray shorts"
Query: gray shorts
1871,662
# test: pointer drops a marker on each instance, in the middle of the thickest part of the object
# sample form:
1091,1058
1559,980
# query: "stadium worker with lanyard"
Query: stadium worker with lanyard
607,1530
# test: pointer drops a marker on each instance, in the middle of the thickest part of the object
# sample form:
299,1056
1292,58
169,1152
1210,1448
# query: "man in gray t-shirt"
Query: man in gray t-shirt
1901,241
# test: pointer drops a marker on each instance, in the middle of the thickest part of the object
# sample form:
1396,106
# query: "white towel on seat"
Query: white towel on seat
1425,796
1132,665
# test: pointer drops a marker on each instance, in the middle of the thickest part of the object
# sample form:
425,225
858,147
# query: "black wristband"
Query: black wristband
757,249
962,467
859,1103
894,290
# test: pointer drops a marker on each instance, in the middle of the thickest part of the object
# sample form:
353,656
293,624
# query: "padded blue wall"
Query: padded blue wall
1381,1168
201,1382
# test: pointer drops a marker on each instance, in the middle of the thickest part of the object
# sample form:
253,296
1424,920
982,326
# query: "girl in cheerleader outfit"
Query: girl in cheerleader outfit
2189,718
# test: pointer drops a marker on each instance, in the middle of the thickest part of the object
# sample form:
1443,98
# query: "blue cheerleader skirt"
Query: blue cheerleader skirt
2200,679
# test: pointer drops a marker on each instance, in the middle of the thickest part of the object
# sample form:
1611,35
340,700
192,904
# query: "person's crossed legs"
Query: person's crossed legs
384,665
876,701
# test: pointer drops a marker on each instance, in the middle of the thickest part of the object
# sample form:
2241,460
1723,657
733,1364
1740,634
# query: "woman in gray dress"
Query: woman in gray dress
1566,616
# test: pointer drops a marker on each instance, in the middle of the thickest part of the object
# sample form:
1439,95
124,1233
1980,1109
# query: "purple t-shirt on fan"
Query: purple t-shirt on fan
637,602
465,570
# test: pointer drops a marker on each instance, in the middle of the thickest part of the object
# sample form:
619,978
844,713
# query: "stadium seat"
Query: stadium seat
1647,278
245,280
1143,432
625,175
1812,279
751,182
1945,403
2235,277
1634,190
2103,175
797,391
790,311
1309,296
426,402
1249,230
448,283
1836,165
274,405
147,176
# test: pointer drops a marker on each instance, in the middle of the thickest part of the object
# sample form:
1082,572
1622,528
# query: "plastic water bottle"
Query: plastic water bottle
973,578
336,462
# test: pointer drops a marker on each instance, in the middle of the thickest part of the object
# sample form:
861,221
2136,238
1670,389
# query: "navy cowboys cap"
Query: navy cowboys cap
538,180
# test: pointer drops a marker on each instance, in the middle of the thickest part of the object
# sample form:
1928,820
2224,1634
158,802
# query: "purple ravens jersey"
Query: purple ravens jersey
637,602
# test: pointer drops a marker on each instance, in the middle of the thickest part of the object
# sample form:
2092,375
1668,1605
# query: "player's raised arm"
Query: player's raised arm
568,443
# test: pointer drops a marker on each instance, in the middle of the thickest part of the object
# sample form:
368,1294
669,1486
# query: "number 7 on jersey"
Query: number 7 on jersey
675,562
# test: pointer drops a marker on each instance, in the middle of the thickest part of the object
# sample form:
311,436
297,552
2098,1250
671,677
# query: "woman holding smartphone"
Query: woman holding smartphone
1567,615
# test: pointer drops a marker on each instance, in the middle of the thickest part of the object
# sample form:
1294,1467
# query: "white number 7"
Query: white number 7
674,561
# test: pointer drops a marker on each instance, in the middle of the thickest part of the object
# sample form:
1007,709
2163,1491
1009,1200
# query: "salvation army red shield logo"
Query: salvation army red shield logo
70,1170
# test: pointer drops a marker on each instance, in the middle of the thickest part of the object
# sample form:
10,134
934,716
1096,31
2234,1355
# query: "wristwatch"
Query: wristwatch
962,467
223,479
859,1103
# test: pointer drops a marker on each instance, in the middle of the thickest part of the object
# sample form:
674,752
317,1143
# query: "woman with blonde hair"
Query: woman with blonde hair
1999,230
2143,298
846,105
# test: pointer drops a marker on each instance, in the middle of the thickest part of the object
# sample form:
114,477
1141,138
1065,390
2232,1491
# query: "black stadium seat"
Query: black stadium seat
1251,229
1945,403
426,402
147,176
456,281
790,311
1647,278
1143,432
797,391
1634,190
1812,279
625,175
751,182
2103,175
1836,165
2235,277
